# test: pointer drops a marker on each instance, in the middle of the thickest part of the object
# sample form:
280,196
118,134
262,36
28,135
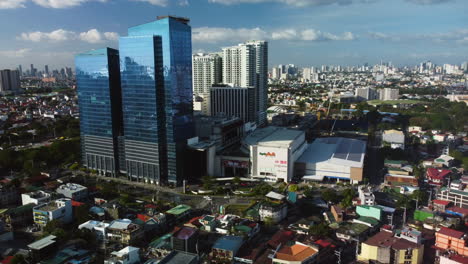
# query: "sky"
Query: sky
301,32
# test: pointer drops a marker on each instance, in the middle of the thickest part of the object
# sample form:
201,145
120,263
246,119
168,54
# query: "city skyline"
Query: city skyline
303,32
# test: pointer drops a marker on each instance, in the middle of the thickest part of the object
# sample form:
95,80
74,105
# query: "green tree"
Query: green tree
330,195
319,230
236,180
52,225
18,259
208,182
268,222
293,188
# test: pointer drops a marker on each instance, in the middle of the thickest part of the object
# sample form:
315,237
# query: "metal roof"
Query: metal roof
43,243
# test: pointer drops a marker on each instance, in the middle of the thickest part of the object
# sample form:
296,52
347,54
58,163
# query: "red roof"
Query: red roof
324,243
459,210
450,232
281,237
441,202
433,173
77,204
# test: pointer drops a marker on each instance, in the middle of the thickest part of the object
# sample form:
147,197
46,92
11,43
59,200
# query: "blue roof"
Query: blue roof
229,243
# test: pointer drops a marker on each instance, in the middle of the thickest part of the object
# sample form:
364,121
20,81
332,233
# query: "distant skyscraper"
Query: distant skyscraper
276,73
33,71
157,98
46,68
246,65
20,69
9,80
306,74
99,98
229,101
207,70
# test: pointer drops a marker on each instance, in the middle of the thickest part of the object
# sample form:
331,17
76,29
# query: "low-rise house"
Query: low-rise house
397,180
296,254
60,209
124,231
437,177
338,213
73,191
98,227
42,248
178,213
128,255
444,161
385,247
275,211
37,197
225,249
352,231
209,223
440,205
366,196
450,239
394,138
382,213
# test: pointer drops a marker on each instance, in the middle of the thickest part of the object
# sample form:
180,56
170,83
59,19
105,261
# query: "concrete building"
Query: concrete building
60,209
385,247
185,240
449,239
124,231
37,197
274,151
225,249
127,255
457,197
206,71
389,94
98,227
229,101
366,196
73,191
246,65
276,211
366,94
393,138
337,158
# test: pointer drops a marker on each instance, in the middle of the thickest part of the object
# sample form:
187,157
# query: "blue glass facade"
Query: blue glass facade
156,79
99,98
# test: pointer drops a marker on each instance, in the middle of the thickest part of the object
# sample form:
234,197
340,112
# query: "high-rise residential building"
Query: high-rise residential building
389,94
157,98
207,70
9,80
230,101
100,101
246,65
306,74
366,94
275,73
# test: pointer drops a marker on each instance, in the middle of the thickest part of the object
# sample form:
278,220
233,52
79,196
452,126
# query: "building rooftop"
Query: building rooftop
451,233
386,239
178,257
280,138
121,224
297,252
178,210
335,150
185,233
275,196
42,243
229,243
71,187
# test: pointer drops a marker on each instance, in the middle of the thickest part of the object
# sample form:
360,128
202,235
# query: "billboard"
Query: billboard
272,162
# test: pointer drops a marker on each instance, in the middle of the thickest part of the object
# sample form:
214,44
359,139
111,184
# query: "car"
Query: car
207,197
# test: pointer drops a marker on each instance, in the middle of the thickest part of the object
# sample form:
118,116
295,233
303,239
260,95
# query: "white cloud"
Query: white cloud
214,35
155,2
54,36
60,35
456,35
20,53
428,2
296,3
11,4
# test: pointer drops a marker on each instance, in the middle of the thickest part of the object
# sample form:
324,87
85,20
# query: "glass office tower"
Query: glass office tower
156,80
99,98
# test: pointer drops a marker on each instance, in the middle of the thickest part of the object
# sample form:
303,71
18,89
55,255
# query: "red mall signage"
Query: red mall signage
268,154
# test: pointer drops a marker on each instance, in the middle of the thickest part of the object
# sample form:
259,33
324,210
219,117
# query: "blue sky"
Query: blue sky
302,32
